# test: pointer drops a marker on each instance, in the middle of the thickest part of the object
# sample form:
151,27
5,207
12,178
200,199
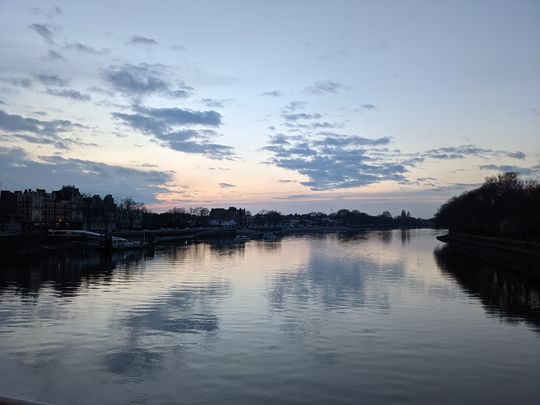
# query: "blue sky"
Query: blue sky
295,106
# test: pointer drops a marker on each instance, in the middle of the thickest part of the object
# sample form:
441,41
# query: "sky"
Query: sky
296,106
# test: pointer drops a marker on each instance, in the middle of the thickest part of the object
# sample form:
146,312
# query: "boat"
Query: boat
269,236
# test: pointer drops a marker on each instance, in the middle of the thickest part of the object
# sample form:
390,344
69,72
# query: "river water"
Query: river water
379,317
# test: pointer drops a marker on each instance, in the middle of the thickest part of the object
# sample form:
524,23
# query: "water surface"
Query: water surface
387,317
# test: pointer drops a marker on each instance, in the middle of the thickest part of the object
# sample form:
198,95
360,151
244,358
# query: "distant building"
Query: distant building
99,214
9,219
227,218
66,208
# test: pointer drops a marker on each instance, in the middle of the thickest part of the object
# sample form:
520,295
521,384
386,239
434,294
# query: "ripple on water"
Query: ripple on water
375,317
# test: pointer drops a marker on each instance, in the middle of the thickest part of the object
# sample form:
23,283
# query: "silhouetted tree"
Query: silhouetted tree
503,206
131,212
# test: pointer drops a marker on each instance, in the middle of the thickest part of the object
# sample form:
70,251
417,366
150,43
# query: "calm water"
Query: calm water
379,317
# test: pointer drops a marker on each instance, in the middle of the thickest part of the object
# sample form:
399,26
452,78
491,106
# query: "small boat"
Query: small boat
269,236
241,238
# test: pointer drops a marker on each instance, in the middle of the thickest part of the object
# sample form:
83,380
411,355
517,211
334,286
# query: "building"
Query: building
227,218
66,208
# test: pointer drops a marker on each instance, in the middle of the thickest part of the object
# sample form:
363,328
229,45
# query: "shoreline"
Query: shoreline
519,255
42,243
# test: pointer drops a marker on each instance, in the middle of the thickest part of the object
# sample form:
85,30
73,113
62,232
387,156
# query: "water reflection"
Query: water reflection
337,275
405,236
509,294
64,273
386,236
162,327
304,319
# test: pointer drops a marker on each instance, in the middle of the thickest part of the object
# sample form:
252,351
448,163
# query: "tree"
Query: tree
131,211
273,217
504,205
199,211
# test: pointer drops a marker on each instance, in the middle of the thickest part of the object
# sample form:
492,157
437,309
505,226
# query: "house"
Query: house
227,218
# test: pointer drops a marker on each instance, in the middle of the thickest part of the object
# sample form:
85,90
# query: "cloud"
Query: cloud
332,139
334,161
86,48
293,106
215,103
334,53
169,126
142,41
95,177
23,82
463,151
272,93
51,79
525,171
325,87
31,130
143,79
51,12
59,142
45,31
226,185
15,122
68,93
301,116
54,55
159,120
516,155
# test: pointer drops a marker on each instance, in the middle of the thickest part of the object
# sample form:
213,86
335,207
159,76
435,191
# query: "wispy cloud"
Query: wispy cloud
54,55
517,155
226,185
272,93
144,41
15,122
163,124
325,87
45,31
301,116
86,48
69,93
51,79
526,171
55,132
215,103
97,177
463,151
23,82
144,79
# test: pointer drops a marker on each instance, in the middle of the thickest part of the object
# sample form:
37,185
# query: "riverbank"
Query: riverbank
39,243
517,254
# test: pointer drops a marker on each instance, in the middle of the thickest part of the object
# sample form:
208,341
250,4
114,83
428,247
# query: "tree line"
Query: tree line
504,205
180,217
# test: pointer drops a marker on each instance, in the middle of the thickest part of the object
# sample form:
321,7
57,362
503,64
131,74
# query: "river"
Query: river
377,317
